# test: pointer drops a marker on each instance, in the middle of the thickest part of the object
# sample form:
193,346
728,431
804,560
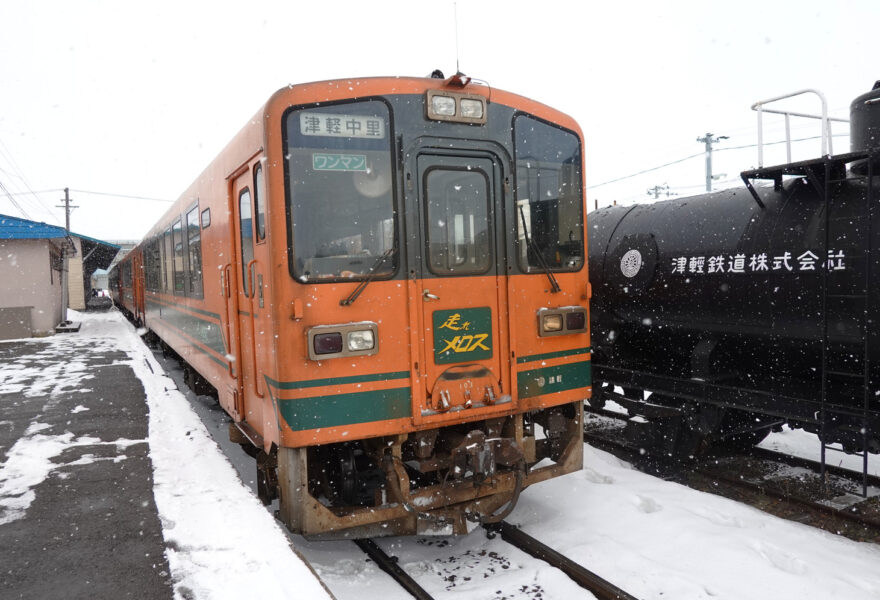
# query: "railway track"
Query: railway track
599,587
784,485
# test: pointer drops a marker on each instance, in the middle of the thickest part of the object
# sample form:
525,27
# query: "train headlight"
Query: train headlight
562,320
551,323
443,106
471,109
457,107
361,340
335,341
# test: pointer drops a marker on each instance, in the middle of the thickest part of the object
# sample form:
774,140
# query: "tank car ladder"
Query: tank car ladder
832,167
823,173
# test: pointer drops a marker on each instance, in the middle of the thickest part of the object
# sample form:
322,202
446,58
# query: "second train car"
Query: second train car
385,281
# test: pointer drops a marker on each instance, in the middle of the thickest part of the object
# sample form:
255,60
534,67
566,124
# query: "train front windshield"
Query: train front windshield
339,174
549,196
342,219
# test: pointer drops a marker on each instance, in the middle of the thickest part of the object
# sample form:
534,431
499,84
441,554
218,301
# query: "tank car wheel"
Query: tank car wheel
691,436
633,393
597,399
740,442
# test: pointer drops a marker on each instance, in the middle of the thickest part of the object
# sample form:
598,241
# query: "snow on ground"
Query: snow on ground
658,539
655,539
804,444
221,542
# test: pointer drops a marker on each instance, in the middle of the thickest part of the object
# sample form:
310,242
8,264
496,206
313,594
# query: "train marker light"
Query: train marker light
576,321
327,343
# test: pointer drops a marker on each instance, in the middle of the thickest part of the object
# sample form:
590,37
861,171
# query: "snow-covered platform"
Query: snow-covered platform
110,486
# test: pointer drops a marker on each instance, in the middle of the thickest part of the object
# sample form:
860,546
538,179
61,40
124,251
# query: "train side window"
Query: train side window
177,236
246,235
157,264
259,204
194,245
168,266
206,218
151,265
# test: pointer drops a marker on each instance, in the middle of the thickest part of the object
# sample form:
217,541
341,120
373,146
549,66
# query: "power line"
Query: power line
11,194
4,150
675,162
681,160
121,195
14,203
815,137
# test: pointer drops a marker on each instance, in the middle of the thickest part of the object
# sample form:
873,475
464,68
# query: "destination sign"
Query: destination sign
333,125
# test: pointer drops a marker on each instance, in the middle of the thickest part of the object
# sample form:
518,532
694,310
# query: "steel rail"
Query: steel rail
813,465
601,588
844,514
389,565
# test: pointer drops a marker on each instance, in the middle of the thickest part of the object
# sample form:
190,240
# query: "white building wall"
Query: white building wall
29,281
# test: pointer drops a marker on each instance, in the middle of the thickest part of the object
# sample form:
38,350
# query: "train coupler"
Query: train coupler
476,456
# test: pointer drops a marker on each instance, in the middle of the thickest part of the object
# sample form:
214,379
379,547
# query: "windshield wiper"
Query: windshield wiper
363,284
536,250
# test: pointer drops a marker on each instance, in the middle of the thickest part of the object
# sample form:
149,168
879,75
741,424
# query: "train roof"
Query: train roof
251,137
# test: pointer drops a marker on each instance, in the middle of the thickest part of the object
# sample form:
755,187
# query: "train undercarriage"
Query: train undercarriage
439,481
681,418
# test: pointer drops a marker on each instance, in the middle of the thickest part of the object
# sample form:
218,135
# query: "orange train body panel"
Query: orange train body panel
367,262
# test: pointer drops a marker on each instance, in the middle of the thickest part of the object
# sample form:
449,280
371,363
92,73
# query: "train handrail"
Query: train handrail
251,270
226,292
825,122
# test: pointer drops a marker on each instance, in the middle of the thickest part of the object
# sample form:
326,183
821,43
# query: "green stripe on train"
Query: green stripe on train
548,380
346,409
549,355
296,385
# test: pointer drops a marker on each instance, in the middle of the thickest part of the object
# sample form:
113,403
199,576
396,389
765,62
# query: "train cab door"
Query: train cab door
463,303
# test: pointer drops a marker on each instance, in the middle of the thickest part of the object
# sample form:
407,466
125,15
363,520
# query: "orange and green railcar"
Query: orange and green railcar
384,279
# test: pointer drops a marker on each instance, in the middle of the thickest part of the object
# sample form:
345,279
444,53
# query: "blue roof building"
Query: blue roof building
31,264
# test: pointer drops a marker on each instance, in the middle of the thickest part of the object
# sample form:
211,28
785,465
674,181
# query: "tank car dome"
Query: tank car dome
864,116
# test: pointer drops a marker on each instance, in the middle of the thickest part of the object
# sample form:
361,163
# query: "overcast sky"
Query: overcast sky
135,98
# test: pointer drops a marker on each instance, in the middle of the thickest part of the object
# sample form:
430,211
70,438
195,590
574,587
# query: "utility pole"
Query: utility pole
65,253
657,189
709,140
67,208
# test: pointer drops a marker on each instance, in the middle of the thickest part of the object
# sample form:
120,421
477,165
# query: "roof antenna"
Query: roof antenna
455,9
459,79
